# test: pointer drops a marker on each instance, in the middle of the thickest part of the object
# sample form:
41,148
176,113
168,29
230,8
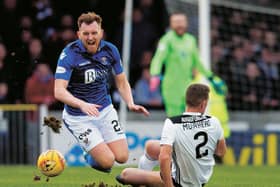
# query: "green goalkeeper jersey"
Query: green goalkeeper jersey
179,55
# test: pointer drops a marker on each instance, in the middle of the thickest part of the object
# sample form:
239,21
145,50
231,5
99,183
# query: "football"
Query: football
51,163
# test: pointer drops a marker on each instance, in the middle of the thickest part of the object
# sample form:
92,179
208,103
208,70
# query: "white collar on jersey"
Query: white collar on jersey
193,113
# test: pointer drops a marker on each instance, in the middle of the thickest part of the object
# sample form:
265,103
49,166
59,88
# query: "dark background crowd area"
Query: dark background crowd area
245,53
245,49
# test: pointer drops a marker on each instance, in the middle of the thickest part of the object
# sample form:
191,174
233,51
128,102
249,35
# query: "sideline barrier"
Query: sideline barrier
19,133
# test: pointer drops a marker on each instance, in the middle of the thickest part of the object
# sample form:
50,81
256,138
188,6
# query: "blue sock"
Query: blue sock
94,164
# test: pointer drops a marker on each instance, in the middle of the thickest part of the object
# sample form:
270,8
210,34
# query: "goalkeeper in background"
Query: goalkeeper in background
177,52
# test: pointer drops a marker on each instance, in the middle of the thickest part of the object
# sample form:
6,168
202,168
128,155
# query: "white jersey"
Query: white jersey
193,137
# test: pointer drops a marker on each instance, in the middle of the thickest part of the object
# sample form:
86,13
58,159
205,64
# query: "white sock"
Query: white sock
147,163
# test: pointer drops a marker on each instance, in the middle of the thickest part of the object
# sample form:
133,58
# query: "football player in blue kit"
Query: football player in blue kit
81,83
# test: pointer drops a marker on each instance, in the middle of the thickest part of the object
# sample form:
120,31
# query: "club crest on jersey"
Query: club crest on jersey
90,76
104,60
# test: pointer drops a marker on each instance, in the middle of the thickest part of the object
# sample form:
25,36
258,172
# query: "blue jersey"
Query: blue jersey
88,74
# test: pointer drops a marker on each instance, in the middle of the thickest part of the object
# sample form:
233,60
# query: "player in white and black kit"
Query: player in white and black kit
188,143
81,83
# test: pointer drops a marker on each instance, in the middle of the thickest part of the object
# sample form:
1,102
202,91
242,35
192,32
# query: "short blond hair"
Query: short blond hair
88,18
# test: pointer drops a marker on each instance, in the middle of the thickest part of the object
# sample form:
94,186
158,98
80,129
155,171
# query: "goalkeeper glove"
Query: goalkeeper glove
218,84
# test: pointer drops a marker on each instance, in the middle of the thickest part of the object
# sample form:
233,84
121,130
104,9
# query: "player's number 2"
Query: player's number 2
116,126
199,153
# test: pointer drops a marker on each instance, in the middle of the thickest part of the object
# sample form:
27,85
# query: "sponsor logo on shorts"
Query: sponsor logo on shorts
83,136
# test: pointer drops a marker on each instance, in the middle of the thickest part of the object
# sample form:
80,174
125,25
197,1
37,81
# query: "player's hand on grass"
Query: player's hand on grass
90,109
139,109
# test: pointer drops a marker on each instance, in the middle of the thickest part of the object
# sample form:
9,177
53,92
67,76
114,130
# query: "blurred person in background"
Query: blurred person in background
5,76
256,38
67,35
43,12
237,70
4,90
26,22
67,21
178,55
268,65
143,95
256,88
146,59
57,38
3,60
22,62
35,54
10,13
143,37
39,87
27,33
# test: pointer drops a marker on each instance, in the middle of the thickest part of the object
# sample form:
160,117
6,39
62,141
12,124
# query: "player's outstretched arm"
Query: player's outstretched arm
125,92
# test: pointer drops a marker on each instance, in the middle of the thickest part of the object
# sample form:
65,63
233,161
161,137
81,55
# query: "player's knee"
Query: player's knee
148,145
122,158
107,162
152,148
125,174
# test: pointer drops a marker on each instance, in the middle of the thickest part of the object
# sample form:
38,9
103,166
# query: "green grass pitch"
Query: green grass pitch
223,176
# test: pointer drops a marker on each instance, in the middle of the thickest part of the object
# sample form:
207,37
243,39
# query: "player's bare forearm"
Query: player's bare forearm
165,163
125,92
124,89
165,171
63,95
